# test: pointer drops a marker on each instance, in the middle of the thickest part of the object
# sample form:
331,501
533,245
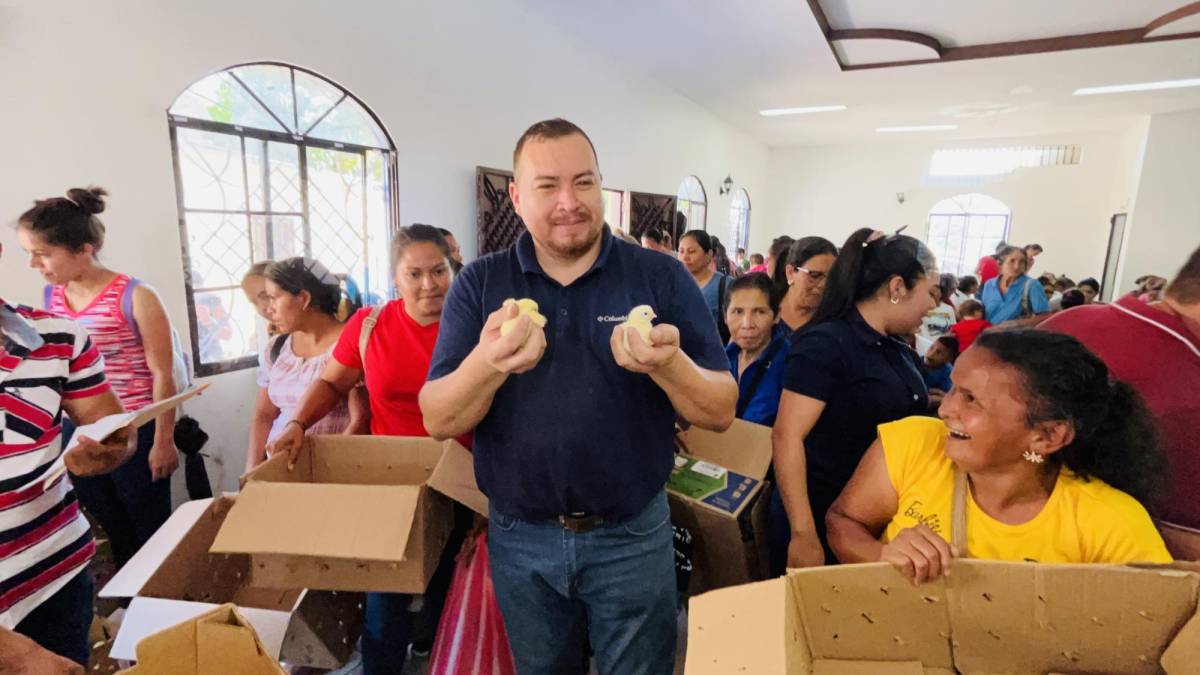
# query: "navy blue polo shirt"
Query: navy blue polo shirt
578,433
865,379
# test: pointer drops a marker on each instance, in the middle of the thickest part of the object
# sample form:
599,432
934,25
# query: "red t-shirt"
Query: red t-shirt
967,330
1164,370
398,356
988,269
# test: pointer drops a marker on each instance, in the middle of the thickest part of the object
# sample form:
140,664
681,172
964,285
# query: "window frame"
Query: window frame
302,143
967,217
690,203
744,241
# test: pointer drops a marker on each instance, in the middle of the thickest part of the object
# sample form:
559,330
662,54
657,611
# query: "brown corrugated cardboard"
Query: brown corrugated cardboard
729,548
174,578
355,513
986,617
218,642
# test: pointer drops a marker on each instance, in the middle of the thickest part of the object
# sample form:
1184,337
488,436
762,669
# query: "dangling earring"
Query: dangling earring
1033,457
895,300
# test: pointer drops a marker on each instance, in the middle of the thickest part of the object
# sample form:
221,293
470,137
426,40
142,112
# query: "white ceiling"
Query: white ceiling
736,62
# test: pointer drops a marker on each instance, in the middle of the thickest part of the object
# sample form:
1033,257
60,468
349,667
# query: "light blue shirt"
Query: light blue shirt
712,295
999,307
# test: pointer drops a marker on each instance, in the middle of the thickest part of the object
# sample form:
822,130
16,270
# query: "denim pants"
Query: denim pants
61,623
612,587
387,631
129,505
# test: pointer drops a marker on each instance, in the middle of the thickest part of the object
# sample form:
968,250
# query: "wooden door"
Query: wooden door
497,223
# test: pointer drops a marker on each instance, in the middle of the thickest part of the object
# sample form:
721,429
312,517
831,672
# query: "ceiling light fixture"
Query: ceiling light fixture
1140,86
775,112
927,127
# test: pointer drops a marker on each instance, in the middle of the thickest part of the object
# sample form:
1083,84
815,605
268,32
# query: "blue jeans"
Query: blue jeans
613,587
61,623
386,633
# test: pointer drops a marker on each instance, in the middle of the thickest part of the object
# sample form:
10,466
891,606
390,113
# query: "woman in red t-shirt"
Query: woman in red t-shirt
393,365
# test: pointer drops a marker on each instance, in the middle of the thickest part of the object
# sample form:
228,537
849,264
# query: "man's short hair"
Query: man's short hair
551,129
1034,247
1185,287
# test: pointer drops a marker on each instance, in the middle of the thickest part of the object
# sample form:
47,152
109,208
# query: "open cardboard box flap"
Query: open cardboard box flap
986,617
355,513
339,488
744,447
173,578
218,642
454,476
282,517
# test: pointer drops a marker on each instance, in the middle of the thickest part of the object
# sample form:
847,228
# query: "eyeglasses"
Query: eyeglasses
815,277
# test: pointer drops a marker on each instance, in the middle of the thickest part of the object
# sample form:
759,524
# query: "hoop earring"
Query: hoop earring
895,300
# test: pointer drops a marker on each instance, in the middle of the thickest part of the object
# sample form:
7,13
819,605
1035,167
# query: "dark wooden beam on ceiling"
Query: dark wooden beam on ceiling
1128,36
823,24
1173,16
886,34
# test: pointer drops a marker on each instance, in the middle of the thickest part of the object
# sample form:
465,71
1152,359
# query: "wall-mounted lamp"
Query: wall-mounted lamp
726,185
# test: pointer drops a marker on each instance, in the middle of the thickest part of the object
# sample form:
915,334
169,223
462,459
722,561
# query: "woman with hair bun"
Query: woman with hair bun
129,326
304,298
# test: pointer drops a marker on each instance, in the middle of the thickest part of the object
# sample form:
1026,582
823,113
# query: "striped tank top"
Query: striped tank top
115,336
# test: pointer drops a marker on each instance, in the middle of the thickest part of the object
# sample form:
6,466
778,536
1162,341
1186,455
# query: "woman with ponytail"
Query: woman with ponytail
799,278
847,373
129,326
304,298
1057,459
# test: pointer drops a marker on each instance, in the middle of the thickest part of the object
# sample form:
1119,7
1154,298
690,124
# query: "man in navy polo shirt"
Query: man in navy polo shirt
573,431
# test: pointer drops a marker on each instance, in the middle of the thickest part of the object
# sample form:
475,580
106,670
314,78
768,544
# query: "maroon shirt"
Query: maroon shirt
1165,370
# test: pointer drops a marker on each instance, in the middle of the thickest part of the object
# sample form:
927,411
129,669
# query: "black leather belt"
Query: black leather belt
582,523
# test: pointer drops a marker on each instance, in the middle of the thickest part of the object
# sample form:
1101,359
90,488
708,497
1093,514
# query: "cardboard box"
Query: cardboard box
986,617
174,578
727,518
218,642
355,513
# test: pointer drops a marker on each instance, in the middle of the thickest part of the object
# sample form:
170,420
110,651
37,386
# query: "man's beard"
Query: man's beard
576,250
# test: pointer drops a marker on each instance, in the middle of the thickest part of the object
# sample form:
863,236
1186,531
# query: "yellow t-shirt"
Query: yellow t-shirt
1082,522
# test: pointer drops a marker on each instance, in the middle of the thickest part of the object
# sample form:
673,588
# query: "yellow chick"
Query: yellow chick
525,307
639,320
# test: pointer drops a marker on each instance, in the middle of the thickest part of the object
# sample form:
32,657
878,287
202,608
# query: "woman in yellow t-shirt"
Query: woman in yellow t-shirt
1058,459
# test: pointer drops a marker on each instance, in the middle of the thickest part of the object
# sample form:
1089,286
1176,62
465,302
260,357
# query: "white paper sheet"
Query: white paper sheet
106,426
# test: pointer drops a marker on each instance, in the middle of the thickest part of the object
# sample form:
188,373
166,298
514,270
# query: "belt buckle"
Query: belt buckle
579,524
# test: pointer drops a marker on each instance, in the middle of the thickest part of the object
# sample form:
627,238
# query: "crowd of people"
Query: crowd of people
899,398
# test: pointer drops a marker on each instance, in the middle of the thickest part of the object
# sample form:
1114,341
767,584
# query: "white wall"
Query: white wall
1165,224
833,190
84,87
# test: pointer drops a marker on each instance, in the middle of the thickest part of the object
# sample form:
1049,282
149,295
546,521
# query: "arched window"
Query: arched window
964,228
273,161
692,203
739,219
